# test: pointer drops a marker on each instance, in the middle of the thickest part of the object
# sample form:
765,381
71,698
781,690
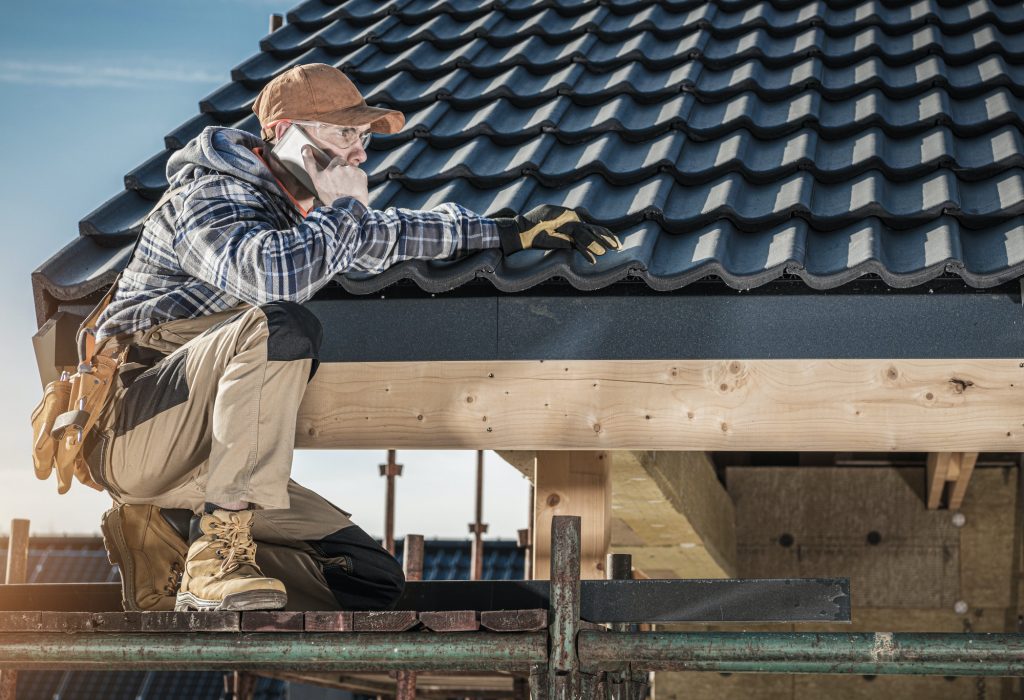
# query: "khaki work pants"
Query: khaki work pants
213,420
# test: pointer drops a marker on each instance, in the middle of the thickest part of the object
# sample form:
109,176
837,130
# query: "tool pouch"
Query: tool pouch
71,405
68,411
56,399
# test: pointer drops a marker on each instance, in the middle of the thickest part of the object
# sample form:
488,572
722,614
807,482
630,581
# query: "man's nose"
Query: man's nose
357,156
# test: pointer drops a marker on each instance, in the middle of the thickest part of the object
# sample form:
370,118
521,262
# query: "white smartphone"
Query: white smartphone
288,150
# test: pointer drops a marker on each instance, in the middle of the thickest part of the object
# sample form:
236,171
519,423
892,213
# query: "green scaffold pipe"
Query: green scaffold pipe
302,651
770,652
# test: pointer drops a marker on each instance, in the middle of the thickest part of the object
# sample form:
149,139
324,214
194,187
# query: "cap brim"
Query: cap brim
381,121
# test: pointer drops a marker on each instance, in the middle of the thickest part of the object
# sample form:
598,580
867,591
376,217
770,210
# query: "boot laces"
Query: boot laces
238,544
174,580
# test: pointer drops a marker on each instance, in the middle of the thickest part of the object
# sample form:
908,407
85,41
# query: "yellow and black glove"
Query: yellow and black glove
549,227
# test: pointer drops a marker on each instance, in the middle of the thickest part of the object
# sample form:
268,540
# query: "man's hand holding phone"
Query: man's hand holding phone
336,179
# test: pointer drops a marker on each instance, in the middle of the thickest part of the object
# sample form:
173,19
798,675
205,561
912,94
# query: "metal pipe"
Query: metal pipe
564,613
477,528
633,681
531,529
17,552
784,652
297,651
526,538
17,572
390,471
412,565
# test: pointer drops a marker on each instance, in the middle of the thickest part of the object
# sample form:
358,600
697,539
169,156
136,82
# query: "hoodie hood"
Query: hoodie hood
221,149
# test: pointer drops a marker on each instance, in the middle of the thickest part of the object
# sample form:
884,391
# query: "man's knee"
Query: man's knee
392,583
295,333
361,573
382,579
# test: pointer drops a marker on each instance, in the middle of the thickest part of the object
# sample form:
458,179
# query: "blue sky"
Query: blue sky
88,92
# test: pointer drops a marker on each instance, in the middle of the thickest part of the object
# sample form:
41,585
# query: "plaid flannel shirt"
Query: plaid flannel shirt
222,241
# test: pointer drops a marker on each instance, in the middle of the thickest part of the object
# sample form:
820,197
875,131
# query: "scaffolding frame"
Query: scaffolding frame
572,658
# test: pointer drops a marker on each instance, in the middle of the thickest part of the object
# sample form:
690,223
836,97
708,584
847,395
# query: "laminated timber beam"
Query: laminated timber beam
672,514
912,405
667,509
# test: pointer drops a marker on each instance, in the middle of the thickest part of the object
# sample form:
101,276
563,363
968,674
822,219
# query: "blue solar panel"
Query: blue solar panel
449,560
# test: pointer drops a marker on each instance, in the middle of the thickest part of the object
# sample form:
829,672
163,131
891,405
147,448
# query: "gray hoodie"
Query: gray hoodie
223,150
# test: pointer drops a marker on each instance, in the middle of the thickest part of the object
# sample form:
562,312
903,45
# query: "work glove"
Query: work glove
550,227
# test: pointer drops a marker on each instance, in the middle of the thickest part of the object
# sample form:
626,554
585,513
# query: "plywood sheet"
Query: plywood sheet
987,538
808,522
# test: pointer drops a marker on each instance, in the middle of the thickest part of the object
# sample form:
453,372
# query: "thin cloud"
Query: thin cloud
65,74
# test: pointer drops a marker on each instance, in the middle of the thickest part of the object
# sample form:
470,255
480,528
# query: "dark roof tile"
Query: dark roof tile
120,218
740,138
314,14
150,178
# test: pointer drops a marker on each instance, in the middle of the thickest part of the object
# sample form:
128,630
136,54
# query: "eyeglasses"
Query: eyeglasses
341,136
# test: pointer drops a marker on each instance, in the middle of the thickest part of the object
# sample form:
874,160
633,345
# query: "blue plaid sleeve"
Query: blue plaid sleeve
226,236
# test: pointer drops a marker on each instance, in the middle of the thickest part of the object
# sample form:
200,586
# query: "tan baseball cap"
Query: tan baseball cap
319,92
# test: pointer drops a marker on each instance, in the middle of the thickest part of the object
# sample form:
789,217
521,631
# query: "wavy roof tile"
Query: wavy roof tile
827,139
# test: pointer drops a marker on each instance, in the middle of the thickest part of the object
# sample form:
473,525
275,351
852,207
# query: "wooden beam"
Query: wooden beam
949,468
937,471
573,483
673,515
523,460
959,488
668,510
692,405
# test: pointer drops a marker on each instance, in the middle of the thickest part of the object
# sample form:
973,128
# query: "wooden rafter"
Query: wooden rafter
692,405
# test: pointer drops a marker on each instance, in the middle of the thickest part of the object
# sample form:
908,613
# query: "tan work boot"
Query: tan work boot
221,571
149,554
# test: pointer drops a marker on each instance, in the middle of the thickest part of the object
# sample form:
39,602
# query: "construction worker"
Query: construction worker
202,419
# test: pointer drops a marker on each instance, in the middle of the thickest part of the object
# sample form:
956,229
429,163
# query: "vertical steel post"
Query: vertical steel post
564,608
390,471
412,558
538,682
525,539
17,552
477,528
17,572
412,564
631,683
618,567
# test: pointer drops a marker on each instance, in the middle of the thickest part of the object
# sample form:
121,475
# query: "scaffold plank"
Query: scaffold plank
207,621
649,600
272,621
329,621
451,621
384,620
27,621
514,620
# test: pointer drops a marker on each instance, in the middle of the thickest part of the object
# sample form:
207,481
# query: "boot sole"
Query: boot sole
246,600
115,544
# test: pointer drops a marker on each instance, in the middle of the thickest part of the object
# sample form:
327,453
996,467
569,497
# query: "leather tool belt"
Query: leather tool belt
72,404
67,412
